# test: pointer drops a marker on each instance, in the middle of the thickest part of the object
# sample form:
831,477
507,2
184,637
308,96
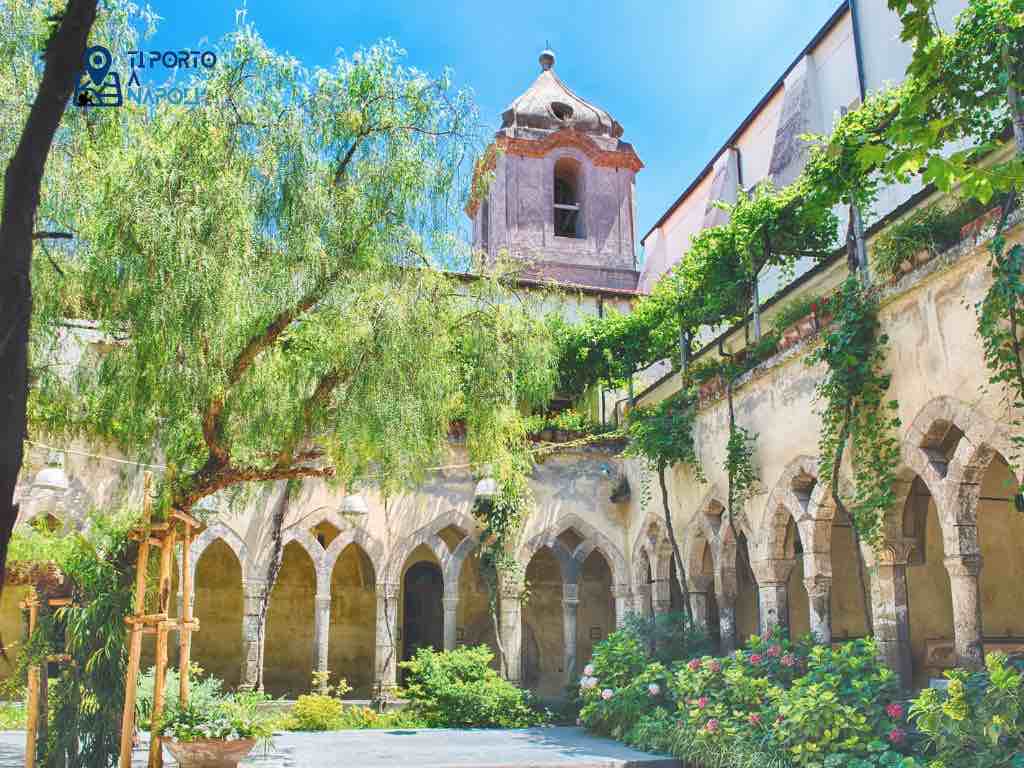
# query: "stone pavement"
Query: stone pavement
530,748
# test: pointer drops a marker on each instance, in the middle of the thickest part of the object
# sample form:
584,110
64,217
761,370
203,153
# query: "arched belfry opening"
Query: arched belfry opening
568,188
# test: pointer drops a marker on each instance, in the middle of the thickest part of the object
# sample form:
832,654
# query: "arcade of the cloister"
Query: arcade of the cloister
356,594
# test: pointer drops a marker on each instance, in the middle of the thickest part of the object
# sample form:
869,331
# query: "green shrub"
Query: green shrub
934,227
317,712
843,708
235,716
667,637
204,690
459,689
978,722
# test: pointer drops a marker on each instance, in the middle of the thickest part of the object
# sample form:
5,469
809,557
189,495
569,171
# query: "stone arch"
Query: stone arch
789,500
353,535
549,539
214,531
449,560
300,534
598,542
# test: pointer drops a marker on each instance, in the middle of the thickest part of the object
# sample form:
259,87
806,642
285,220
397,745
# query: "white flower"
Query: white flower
588,671
653,689
607,694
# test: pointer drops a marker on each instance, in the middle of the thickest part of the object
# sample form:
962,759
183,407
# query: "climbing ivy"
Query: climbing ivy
855,412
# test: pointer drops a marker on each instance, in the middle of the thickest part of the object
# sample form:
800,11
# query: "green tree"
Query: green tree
265,271
64,45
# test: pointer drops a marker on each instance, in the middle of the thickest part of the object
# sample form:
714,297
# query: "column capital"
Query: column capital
772,571
450,602
641,590
896,552
620,590
960,566
323,601
818,585
570,594
386,589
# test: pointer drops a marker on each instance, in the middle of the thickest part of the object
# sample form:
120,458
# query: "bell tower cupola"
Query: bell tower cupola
562,198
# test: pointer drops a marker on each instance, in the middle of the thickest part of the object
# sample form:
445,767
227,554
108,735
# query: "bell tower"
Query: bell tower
562,199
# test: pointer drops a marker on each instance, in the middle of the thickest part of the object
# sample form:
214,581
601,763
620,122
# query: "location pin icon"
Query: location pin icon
97,63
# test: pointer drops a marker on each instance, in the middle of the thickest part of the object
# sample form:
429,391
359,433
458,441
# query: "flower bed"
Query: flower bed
795,705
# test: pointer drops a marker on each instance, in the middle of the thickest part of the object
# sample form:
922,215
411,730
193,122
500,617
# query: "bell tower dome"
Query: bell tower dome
563,194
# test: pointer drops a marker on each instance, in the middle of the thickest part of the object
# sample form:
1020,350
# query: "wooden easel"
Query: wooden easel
161,536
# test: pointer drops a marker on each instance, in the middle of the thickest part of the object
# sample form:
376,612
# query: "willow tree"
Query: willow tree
266,273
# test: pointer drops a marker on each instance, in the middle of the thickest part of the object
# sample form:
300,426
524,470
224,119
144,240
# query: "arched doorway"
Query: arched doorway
846,606
799,619
748,614
217,647
929,598
423,613
350,648
1000,537
288,660
596,613
543,640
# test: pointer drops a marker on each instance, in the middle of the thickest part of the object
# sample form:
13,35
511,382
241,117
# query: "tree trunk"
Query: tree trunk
65,54
680,571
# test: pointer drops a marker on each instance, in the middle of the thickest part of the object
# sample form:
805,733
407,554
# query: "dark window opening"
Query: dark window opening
568,212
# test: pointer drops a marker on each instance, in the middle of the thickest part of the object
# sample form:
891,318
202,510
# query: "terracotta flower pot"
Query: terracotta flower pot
210,753
906,266
972,229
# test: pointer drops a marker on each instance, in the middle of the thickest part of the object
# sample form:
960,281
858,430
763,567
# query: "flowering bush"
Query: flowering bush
844,708
978,722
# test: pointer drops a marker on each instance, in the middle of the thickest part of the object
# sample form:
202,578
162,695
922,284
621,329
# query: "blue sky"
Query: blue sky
678,74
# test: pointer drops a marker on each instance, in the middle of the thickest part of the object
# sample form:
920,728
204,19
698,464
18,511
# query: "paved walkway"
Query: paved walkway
530,748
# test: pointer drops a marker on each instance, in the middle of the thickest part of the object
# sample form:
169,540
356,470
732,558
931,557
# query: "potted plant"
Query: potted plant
214,734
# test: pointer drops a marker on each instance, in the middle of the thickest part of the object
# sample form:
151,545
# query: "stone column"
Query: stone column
253,632
661,591
963,571
570,603
727,622
621,593
321,631
642,600
819,595
699,586
387,636
510,604
890,611
773,596
451,608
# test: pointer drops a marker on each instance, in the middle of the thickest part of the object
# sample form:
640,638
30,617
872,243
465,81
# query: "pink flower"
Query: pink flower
756,658
755,719
607,693
775,651
578,722
711,726
694,665
897,735
588,671
789,660
702,702
653,689
714,666
895,711
779,719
